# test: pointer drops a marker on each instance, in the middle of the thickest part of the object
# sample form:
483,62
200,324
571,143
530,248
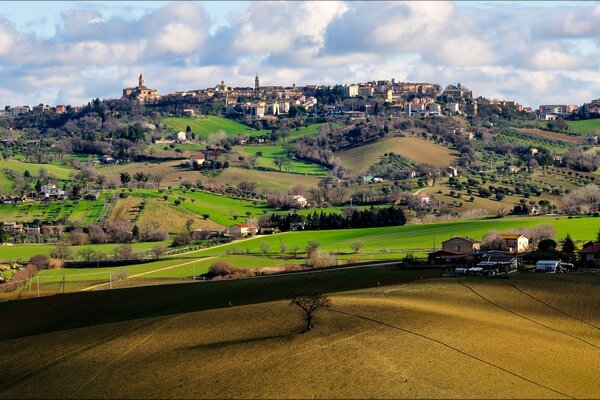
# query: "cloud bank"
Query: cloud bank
531,54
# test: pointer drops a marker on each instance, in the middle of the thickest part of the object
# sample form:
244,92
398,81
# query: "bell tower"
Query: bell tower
256,86
141,80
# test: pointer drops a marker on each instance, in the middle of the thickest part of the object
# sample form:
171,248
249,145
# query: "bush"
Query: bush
226,270
39,261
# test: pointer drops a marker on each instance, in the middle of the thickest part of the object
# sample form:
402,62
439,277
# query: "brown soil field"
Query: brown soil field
552,135
530,336
277,181
127,208
417,150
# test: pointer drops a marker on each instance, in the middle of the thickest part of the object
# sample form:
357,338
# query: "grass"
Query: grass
61,172
311,130
206,125
270,153
585,127
25,251
417,150
428,338
171,217
272,180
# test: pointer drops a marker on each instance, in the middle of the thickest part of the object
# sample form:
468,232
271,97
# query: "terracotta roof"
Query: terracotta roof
594,248
510,236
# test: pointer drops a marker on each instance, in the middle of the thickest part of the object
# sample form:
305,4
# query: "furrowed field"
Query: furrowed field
531,336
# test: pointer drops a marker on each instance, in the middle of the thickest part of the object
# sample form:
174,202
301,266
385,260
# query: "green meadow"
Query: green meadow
269,155
206,125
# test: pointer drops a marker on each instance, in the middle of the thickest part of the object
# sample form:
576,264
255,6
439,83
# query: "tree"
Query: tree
264,247
157,179
188,224
309,302
282,247
598,236
158,251
87,254
311,247
61,251
280,161
357,245
4,235
295,250
125,179
568,245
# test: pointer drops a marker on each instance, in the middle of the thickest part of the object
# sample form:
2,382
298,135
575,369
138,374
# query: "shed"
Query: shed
551,266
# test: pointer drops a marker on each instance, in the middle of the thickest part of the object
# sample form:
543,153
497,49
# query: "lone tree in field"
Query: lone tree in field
309,302
357,245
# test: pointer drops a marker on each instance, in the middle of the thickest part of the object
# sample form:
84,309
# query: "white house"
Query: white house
300,200
197,158
515,243
242,230
51,191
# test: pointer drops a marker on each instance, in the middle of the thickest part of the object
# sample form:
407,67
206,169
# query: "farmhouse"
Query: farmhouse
51,191
197,159
461,245
515,243
451,171
590,255
179,136
242,230
299,201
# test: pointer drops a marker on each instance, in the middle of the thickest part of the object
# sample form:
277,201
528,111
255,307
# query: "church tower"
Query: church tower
141,80
256,86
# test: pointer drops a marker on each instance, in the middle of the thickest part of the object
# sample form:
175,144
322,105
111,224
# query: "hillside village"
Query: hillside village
292,159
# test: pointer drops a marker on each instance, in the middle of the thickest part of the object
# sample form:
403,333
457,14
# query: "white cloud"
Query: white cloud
530,54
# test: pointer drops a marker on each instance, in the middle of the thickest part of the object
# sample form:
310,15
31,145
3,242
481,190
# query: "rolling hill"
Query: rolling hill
420,151
533,336
206,125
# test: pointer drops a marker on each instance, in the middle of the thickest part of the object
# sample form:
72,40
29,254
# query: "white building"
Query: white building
51,191
350,91
179,136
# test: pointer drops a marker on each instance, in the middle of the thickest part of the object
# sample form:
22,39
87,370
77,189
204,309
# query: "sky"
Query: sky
73,51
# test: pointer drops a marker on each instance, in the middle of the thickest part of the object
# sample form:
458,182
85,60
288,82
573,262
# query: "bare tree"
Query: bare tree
309,302
357,245
264,247
158,251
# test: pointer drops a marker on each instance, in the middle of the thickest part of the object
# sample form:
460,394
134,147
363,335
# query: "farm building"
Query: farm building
461,245
499,260
197,159
179,136
444,257
590,255
515,243
51,191
550,266
242,230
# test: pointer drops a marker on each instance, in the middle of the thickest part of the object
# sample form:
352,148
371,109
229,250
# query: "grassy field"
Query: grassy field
271,180
206,125
25,251
173,218
417,150
532,336
311,130
270,153
585,126
552,135
59,171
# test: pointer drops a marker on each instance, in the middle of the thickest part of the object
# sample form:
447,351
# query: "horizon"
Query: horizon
73,52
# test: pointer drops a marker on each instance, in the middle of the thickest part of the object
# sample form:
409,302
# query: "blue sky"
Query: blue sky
70,52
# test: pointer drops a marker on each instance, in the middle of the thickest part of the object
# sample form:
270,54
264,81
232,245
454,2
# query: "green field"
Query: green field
60,171
311,130
270,153
25,251
207,125
585,126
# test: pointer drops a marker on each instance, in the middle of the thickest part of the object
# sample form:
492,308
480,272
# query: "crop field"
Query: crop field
83,211
272,180
417,150
552,135
171,217
270,153
531,336
207,125
533,140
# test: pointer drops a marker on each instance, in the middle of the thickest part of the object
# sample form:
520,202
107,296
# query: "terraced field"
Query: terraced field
531,336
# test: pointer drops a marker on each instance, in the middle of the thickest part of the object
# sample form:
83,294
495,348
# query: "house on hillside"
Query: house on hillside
590,255
179,136
242,230
50,191
515,243
461,245
299,201
451,171
197,159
